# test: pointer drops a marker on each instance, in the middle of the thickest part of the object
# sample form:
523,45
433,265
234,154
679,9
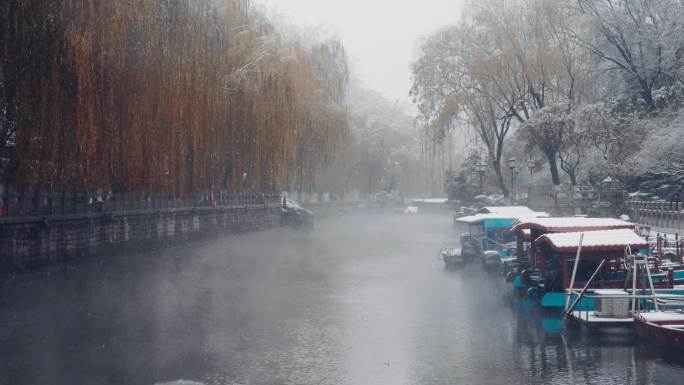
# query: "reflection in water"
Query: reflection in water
359,300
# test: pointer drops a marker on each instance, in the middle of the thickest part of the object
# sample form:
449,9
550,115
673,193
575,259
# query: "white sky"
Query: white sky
380,35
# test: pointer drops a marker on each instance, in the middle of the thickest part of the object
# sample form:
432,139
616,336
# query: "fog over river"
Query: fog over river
361,299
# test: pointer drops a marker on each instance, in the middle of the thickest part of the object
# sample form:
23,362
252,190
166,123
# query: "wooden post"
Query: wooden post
634,280
650,282
659,245
520,241
574,272
572,307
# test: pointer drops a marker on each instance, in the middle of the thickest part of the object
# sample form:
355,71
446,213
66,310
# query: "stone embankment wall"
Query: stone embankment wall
33,241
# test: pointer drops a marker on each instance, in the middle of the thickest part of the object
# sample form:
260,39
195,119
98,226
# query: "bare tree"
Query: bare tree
641,39
168,97
446,89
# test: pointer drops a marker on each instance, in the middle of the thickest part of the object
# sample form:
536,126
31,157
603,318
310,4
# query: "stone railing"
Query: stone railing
65,203
33,241
604,200
563,199
669,216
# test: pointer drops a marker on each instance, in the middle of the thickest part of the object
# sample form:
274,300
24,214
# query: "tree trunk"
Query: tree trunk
10,113
499,176
553,166
569,171
647,95
573,178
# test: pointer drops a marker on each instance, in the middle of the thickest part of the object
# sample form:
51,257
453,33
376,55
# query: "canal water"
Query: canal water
358,300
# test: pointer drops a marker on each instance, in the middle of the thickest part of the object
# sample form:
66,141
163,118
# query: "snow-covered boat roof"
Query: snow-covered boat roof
504,212
602,240
470,219
430,200
475,218
570,224
514,212
610,292
660,316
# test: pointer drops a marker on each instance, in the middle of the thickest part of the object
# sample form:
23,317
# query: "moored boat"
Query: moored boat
611,311
665,329
555,253
452,257
529,229
489,230
613,308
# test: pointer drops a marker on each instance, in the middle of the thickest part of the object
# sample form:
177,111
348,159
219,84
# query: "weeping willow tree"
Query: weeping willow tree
167,97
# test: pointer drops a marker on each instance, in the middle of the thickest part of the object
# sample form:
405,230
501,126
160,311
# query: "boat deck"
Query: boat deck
658,317
591,320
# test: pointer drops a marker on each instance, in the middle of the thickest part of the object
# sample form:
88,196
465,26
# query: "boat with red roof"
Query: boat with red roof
548,260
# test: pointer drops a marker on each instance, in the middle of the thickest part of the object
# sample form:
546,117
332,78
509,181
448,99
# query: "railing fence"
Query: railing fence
47,204
666,215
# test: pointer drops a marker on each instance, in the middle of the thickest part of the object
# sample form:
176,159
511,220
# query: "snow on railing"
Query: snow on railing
666,215
48,204
548,197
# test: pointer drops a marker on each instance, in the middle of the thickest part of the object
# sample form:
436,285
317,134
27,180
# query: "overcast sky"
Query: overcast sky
380,35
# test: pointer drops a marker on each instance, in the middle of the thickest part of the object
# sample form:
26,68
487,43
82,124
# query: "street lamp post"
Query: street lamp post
511,165
481,169
530,166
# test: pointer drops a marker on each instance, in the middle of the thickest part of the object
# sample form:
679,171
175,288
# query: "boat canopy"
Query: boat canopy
514,212
570,224
489,220
430,200
603,240
501,215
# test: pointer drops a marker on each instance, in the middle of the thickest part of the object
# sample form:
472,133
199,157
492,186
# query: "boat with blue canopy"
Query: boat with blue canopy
490,229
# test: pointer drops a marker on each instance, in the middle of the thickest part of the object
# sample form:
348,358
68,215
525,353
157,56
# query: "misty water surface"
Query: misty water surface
358,300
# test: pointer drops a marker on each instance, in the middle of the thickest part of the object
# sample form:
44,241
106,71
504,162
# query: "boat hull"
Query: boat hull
452,258
592,321
668,334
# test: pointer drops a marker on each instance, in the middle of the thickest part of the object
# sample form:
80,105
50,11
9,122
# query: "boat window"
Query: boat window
477,230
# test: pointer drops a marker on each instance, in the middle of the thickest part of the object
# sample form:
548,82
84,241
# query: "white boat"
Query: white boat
452,257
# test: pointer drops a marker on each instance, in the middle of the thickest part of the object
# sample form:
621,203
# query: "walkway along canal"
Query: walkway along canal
360,299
